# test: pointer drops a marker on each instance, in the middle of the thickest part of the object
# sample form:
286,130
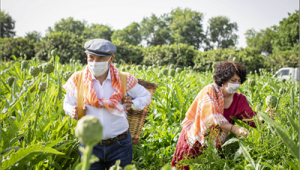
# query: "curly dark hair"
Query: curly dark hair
225,70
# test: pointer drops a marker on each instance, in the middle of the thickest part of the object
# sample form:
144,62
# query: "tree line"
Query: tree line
172,38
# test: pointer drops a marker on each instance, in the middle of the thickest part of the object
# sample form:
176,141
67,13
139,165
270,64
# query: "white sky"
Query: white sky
38,15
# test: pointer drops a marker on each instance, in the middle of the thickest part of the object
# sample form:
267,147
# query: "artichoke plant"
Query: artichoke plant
48,68
116,65
172,72
165,72
281,91
34,71
171,66
67,75
42,86
139,67
41,68
10,81
53,53
178,70
271,102
24,64
251,82
89,132
123,69
128,68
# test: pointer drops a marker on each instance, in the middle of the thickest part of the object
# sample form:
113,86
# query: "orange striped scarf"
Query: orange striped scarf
204,116
90,96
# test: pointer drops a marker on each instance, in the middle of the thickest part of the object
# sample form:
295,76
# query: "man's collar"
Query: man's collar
108,75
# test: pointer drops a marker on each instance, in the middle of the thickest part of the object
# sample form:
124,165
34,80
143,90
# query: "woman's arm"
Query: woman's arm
238,131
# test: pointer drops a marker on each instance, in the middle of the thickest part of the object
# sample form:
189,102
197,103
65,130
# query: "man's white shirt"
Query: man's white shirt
112,125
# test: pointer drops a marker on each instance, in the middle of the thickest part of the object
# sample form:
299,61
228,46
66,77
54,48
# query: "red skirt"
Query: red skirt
184,151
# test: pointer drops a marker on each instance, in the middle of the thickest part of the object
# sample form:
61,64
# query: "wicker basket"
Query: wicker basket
136,118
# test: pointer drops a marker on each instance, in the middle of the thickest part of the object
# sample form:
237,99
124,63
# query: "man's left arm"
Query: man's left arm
141,97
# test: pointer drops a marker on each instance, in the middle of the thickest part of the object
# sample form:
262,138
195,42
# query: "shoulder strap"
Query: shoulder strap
216,92
80,101
123,77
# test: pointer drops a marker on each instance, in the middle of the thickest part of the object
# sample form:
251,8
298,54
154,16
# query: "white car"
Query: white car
284,73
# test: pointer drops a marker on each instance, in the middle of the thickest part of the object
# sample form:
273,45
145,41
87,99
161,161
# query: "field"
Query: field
36,133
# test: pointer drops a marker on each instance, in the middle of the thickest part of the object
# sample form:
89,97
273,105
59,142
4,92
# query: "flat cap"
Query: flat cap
100,47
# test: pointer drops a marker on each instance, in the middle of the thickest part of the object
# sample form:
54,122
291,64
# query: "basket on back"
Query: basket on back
136,118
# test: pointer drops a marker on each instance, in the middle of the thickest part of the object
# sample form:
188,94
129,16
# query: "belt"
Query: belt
113,140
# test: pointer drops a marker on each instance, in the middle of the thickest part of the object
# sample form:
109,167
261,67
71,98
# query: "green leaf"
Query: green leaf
294,149
247,155
24,152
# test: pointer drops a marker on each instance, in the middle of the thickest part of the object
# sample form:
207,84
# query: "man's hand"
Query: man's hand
75,112
128,102
239,131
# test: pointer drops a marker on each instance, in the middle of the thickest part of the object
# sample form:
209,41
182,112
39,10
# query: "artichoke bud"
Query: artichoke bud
123,69
160,75
40,68
67,75
165,72
88,130
48,68
116,65
53,53
178,70
10,81
139,67
24,65
42,86
172,66
281,91
271,101
34,71
128,68
172,72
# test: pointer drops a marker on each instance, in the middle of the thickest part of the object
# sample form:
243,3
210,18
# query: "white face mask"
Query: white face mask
232,88
98,68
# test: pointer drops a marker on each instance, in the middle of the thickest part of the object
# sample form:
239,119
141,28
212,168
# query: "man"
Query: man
103,93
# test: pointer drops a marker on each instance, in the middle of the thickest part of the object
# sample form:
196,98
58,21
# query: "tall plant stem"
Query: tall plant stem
86,158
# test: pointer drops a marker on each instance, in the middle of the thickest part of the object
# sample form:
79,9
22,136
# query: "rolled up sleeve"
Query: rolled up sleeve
69,103
141,96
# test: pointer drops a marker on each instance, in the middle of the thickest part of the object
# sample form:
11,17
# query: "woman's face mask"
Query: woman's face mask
98,68
232,88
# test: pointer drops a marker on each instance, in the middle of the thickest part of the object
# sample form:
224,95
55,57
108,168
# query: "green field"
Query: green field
36,133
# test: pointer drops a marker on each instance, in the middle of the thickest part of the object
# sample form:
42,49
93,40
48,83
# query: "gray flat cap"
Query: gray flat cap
100,47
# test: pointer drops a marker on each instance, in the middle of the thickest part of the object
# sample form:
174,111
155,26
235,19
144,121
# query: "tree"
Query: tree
287,33
34,36
155,30
186,27
68,46
16,46
98,31
7,25
130,34
221,32
261,41
68,25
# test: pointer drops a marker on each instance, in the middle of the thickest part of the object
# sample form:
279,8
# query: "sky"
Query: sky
38,15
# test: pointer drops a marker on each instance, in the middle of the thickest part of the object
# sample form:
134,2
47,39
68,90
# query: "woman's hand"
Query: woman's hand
75,112
239,131
128,102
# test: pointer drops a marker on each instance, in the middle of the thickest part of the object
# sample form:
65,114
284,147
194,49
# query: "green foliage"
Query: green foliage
67,45
271,101
67,75
127,53
7,25
130,34
177,54
15,46
186,27
221,32
97,31
68,25
155,30
34,36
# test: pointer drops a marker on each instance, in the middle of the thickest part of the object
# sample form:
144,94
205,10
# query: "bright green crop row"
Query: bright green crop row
36,133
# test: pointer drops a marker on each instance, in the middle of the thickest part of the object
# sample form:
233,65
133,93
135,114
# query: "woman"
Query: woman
209,114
